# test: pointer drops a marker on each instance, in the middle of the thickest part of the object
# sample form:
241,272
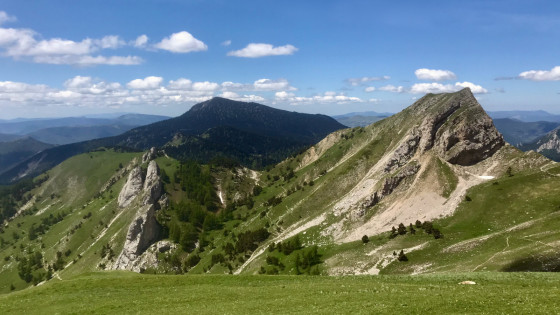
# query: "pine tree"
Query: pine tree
402,229
402,256
365,239
393,232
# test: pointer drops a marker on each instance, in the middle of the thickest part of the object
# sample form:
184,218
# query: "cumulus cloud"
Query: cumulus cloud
369,89
423,88
181,42
26,44
141,41
434,75
328,97
205,86
271,85
257,50
363,80
87,91
148,83
226,43
110,42
89,60
5,18
242,98
180,84
392,88
541,75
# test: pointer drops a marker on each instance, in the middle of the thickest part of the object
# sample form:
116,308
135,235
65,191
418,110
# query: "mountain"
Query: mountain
7,137
15,151
547,145
67,135
519,132
364,114
432,189
358,120
250,133
526,115
45,125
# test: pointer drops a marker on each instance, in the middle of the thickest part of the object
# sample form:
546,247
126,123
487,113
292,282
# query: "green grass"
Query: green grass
123,292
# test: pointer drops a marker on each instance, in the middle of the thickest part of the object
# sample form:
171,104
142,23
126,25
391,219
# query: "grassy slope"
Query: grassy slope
74,184
123,292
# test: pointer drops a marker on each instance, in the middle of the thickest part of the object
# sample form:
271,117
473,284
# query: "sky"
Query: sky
71,58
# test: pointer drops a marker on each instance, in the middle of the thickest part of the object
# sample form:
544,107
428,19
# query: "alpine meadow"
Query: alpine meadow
298,158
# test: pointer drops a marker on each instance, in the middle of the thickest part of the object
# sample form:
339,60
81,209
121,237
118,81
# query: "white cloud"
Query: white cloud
226,43
4,18
205,86
257,50
182,42
148,83
363,80
369,89
110,42
180,84
326,98
86,85
228,85
283,95
89,60
63,94
423,88
434,75
242,98
392,88
475,89
141,41
78,82
271,85
19,87
541,75
26,44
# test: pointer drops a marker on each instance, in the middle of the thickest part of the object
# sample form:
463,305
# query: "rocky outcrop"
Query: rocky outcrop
460,131
144,229
391,183
131,188
152,184
142,232
149,155
404,152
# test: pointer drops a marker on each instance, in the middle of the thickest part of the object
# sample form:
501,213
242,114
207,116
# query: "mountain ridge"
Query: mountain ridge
295,130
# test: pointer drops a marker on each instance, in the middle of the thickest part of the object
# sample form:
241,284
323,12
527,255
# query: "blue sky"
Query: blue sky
63,58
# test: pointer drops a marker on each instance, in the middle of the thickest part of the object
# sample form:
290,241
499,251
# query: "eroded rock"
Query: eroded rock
131,188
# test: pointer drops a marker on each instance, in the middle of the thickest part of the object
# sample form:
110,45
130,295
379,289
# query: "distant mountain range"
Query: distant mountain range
525,115
251,133
75,129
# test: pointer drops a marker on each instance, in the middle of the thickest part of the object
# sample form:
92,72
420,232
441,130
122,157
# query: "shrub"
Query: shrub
365,239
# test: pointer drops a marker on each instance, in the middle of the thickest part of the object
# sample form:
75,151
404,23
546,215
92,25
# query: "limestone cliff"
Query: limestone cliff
144,229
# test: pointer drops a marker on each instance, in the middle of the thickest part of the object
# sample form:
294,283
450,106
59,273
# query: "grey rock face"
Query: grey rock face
552,143
152,184
404,152
393,182
144,229
149,155
131,188
460,131
142,232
